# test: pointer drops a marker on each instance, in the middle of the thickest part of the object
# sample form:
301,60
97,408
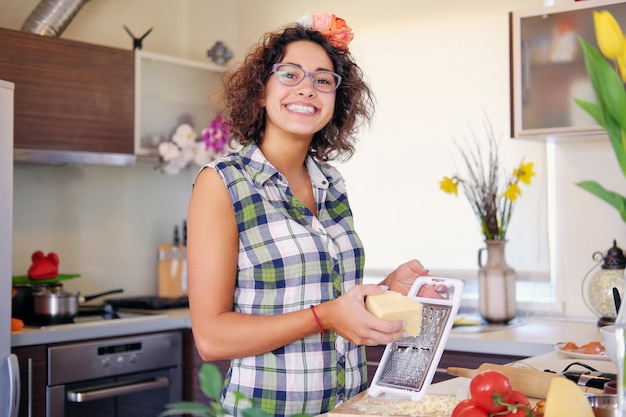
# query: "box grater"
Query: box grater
408,365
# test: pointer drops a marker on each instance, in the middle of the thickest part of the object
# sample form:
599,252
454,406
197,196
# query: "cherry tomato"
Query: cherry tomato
488,386
467,403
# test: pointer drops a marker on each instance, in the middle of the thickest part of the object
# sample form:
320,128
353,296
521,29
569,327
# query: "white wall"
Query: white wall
435,66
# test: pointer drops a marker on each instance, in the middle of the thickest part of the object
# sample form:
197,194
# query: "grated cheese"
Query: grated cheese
428,406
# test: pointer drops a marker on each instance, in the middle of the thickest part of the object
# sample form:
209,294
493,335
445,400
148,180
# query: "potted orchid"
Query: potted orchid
607,71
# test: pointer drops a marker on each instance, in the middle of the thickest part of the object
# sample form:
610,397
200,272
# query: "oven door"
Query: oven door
144,394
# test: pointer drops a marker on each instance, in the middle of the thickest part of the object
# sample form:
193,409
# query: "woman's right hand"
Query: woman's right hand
348,317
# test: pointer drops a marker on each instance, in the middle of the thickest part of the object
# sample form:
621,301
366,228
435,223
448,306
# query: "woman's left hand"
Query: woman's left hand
402,278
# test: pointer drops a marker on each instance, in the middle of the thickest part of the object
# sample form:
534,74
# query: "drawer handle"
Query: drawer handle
113,390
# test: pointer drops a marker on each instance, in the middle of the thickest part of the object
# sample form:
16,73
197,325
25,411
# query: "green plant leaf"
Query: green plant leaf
255,412
611,95
593,109
606,82
185,407
210,381
610,197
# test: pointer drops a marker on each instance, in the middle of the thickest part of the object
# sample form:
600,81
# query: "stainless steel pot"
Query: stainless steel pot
58,306
23,301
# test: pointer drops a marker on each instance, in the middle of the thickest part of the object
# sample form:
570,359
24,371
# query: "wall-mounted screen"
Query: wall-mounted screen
548,68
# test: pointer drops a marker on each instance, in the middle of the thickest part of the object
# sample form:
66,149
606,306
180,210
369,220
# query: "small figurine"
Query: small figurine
137,42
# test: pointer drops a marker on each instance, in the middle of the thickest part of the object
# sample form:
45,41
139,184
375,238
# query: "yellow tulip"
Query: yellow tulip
608,34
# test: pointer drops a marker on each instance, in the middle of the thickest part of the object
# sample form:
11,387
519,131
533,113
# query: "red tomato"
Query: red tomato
474,411
517,397
489,386
467,403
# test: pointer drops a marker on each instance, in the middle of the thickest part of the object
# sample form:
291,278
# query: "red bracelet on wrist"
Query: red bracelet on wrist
317,320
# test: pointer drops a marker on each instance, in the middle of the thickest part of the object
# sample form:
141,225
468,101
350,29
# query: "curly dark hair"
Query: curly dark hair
244,89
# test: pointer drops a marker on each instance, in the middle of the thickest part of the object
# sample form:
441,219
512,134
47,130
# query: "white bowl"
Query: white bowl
609,340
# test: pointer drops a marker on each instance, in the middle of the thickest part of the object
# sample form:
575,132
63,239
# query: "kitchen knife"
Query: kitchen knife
532,383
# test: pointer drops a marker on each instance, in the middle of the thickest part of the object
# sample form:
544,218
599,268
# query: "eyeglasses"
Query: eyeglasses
292,75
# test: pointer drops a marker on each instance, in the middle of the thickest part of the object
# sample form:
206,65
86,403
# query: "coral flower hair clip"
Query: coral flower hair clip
334,28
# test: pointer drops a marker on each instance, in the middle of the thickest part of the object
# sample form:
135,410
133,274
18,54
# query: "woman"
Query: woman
275,265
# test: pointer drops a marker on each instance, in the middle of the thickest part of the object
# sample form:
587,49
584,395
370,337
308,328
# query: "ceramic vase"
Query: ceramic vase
496,284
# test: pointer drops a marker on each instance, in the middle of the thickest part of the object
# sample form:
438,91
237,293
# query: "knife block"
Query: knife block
172,271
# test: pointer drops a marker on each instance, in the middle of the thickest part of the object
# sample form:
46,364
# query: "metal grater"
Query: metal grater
408,365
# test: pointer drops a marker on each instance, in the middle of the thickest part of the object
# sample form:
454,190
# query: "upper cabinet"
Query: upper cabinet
170,91
74,102
548,69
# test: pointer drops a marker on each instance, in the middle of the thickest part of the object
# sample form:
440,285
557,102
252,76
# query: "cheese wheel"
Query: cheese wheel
391,305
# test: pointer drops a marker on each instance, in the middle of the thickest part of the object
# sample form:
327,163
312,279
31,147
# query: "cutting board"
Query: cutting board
172,271
365,406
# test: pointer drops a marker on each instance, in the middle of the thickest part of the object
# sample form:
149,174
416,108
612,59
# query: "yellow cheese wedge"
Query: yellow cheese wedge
566,399
391,305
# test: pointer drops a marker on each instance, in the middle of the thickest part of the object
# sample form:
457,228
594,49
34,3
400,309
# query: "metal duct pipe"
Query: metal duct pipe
51,17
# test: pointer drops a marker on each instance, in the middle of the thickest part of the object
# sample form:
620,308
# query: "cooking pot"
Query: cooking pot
23,302
55,306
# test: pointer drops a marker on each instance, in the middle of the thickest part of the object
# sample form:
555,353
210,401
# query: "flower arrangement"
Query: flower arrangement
607,81
491,200
334,28
184,147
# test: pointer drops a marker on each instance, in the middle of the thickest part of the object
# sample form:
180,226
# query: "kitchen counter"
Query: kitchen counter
152,321
524,337
553,361
459,387
530,336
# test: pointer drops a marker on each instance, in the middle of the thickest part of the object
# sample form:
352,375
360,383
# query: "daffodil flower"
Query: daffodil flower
450,185
608,34
483,187
512,192
525,172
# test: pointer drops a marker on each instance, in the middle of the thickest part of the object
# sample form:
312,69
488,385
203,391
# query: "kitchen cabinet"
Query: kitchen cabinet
33,373
548,70
71,98
449,358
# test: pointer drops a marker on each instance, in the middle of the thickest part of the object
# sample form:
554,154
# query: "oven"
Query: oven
124,376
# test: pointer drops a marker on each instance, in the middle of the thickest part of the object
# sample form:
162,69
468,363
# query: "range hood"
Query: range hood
78,158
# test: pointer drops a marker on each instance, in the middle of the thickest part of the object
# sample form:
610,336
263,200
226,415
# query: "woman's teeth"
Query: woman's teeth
300,108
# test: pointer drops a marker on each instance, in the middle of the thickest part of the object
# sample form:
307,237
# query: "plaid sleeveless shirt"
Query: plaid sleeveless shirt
290,259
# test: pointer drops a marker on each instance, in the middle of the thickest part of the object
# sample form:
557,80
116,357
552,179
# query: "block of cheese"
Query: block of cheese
565,399
391,305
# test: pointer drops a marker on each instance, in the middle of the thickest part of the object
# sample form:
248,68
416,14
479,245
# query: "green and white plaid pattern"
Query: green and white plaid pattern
290,259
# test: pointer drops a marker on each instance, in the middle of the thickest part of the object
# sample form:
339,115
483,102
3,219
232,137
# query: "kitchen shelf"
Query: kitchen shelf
170,91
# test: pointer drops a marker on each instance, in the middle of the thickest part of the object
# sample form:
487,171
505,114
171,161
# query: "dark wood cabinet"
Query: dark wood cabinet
450,358
69,96
33,373
192,362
